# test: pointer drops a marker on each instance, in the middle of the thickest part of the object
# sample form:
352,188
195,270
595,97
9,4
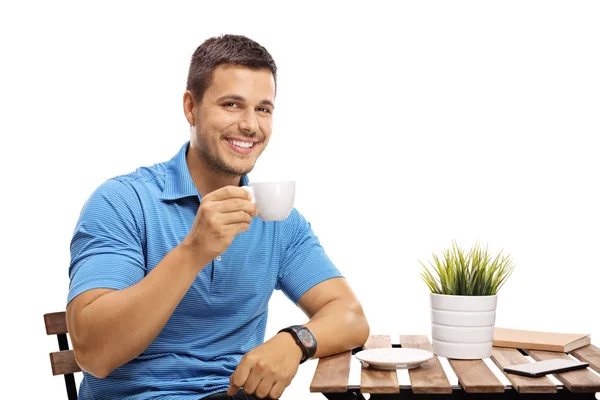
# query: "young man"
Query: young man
171,273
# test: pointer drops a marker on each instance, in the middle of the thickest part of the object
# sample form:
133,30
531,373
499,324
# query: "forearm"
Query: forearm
339,326
119,325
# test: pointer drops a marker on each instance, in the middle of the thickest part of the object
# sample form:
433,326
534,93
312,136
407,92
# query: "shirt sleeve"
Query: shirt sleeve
304,263
106,248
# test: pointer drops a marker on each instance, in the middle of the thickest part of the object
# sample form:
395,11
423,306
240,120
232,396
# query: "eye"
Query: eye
264,109
230,104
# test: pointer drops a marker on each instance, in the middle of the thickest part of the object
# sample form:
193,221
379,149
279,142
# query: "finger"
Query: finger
231,231
235,217
264,387
230,205
277,390
238,378
235,229
239,228
252,382
228,192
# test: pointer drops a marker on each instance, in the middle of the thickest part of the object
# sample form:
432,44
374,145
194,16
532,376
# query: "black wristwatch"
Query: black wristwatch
304,339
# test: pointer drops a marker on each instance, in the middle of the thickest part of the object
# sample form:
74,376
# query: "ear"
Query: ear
188,107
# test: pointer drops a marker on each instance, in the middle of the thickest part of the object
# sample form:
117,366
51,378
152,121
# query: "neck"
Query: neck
205,178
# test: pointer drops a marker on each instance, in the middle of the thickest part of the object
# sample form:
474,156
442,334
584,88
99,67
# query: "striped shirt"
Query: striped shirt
126,228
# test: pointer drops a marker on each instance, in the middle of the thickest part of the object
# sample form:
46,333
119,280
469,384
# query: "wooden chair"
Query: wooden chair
63,361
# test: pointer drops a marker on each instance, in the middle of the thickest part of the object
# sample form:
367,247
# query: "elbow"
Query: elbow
360,324
91,363
363,331
88,354
100,374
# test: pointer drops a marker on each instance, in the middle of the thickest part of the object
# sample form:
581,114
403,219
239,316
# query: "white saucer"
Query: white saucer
390,358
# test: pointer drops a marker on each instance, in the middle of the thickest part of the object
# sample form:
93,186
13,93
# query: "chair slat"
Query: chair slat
331,375
430,376
589,354
475,377
507,357
56,323
374,380
63,362
579,381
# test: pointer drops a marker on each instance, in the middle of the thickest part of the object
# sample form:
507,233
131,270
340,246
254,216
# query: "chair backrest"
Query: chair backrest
63,361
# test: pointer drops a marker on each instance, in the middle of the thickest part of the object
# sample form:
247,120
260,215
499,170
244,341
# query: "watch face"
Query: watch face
306,337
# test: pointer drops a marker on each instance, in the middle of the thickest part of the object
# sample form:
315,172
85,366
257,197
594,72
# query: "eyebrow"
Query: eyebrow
242,99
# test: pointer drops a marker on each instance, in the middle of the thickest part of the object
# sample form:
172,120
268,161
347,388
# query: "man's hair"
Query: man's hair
225,49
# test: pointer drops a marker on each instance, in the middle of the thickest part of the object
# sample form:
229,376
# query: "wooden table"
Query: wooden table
342,376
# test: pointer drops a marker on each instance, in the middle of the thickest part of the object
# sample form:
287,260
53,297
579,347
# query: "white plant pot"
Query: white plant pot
462,327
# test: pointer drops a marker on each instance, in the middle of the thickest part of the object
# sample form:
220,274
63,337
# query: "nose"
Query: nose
249,122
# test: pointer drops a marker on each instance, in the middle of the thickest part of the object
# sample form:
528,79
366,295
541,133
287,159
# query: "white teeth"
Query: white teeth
237,143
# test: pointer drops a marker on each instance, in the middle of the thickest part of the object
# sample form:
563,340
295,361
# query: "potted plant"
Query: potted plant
464,290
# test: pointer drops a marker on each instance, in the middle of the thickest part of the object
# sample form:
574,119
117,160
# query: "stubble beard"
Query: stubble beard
220,166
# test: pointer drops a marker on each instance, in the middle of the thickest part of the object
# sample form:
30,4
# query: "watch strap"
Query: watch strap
308,350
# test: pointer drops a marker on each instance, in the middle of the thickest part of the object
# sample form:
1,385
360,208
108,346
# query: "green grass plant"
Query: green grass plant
472,273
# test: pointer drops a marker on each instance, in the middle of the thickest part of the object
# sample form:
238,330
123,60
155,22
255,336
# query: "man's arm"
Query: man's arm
336,320
111,327
336,317
108,327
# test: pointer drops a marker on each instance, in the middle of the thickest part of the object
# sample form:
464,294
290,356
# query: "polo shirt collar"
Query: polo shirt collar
178,180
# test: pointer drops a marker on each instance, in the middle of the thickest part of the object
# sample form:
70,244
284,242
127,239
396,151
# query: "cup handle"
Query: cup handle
250,190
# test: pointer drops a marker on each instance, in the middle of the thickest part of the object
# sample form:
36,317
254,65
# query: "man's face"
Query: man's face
234,118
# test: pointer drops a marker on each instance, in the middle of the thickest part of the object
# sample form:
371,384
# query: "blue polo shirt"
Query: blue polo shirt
126,228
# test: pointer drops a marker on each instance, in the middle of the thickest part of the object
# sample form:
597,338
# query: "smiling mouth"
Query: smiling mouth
241,144
241,147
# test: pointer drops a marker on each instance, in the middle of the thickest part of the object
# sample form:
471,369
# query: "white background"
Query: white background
405,126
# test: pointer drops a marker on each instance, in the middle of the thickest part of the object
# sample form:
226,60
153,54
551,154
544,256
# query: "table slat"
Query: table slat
507,357
580,381
374,380
475,377
331,375
589,354
430,376
377,342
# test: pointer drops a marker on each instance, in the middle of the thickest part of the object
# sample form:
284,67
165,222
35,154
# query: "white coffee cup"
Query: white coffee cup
274,200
